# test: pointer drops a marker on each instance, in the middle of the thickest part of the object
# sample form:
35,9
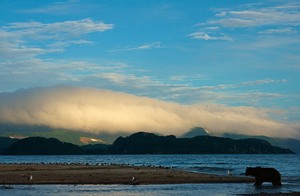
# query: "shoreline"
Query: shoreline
105,174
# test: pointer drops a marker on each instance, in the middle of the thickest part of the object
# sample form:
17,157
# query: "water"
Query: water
288,165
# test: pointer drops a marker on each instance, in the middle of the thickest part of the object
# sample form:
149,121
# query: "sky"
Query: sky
166,66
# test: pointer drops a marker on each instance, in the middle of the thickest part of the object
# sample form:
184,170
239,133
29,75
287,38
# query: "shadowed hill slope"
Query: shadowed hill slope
42,146
148,143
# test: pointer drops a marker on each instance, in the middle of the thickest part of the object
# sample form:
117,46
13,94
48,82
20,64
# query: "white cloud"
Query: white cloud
282,18
61,30
259,16
55,8
22,44
95,111
17,39
62,8
33,71
287,30
64,44
13,51
206,36
242,84
139,47
115,76
188,78
271,41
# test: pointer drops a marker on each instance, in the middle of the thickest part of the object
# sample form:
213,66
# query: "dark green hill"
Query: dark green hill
6,142
289,143
96,148
148,143
292,144
42,146
143,143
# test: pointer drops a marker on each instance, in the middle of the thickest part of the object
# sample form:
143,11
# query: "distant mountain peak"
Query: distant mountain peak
15,136
88,140
196,131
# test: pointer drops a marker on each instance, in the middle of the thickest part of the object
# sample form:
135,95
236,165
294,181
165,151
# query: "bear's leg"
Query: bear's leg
257,182
276,183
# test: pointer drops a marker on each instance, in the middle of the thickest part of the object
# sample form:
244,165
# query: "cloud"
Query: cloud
117,76
38,30
188,78
95,110
287,30
14,51
206,36
242,84
259,16
263,19
29,72
64,44
250,83
47,37
140,47
62,8
55,8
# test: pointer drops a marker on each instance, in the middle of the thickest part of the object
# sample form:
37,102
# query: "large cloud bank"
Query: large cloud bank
94,110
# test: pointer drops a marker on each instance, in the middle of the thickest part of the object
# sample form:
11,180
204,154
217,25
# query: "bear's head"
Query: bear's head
251,171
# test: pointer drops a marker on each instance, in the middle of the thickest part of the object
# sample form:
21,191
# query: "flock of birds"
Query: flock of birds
86,164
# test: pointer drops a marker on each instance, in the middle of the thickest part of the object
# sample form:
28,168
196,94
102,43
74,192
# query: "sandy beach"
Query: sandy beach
105,174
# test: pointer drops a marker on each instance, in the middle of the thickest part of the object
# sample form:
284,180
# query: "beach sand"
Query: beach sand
105,174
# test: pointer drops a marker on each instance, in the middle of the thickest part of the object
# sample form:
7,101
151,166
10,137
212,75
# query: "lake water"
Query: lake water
287,165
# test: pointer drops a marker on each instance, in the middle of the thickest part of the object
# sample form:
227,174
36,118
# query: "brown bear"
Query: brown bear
264,175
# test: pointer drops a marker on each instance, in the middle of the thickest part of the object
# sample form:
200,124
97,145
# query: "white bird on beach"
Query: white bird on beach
229,173
30,178
134,181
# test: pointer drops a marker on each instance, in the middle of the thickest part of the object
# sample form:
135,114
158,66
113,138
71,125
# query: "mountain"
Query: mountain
197,131
6,142
289,143
88,140
149,143
292,144
42,146
20,131
143,143
96,148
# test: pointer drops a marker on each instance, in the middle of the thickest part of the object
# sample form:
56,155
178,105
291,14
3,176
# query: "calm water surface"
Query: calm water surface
288,165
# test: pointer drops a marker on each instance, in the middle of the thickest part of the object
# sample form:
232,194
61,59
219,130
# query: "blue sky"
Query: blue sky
232,53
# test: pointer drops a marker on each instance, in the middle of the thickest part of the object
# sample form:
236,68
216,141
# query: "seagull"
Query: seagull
134,181
229,173
30,178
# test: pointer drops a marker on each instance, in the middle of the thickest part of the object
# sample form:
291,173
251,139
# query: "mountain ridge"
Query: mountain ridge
146,143
149,143
42,146
80,138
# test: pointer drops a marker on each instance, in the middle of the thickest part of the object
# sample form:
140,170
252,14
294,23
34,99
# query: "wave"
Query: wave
211,169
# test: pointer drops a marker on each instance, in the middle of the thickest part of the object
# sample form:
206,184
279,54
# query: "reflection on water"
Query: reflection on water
218,189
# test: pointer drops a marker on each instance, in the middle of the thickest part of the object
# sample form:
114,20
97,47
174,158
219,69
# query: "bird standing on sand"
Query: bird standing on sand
229,173
30,178
134,181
